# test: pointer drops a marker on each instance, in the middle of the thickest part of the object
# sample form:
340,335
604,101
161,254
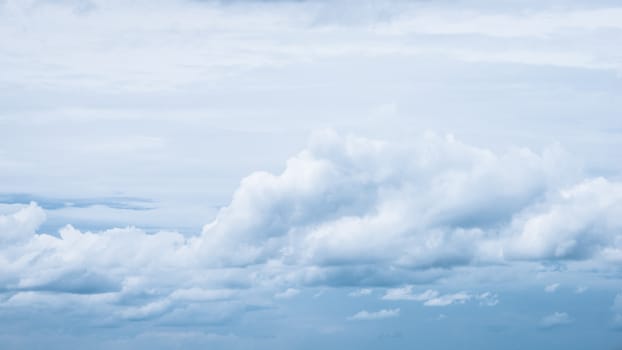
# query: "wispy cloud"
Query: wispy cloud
551,288
434,298
287,294
361,292
555,319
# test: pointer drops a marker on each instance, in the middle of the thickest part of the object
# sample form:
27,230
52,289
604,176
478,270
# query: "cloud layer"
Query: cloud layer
344,211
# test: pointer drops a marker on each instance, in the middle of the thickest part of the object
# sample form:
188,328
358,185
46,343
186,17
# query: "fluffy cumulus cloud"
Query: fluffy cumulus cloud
346,202
579,222
344,211
21,225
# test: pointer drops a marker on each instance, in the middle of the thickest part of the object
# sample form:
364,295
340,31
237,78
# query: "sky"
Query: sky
248,174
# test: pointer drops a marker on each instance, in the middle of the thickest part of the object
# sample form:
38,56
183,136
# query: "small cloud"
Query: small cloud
441,317
555,320
287,294
148,311
405,293
448,299
360,292
488,299
202,295
580,290
377,315
551,288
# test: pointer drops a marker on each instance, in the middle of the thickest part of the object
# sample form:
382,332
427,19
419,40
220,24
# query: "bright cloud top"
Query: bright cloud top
344,211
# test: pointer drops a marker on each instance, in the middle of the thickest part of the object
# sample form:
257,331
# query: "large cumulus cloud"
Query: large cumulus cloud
344,211
350,202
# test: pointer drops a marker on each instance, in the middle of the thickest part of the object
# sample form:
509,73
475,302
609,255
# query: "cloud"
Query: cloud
127,203
434,298
535,25
487,299
554,320
122,273
345,211
578,222
405,293
448,299
21,225
365,31
202,295
348,200
551,288
150,310
376,315
108,102
287,294
361,292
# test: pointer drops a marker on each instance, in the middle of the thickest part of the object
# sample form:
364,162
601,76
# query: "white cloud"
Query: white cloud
434,298
578,222
345,211
448,299
361,292
281,35
202,295
152,309
112,97
551,288
405,293
375,315
555,319
350,200
287,294
487,299
534,25
21,225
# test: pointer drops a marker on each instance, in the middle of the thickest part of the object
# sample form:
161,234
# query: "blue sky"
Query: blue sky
310,174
